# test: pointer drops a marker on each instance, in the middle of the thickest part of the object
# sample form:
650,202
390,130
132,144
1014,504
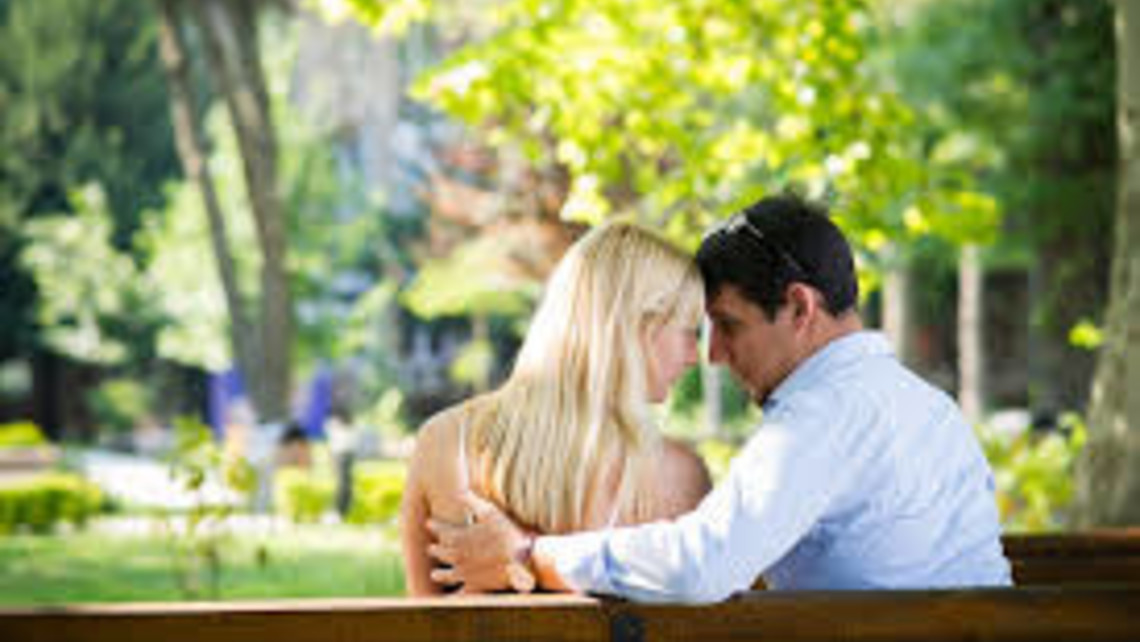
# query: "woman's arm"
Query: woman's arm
414,513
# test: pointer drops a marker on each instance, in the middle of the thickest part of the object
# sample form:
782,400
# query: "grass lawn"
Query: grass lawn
99,566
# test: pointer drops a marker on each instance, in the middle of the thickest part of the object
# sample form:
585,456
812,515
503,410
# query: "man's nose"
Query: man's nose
717,352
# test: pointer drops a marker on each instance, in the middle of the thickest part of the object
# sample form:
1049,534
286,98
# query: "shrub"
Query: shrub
118,404
301,495
196,547
718,456
1034,473
45,501
377,489
21,434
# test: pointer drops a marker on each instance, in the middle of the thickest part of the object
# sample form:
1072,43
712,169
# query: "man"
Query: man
861,475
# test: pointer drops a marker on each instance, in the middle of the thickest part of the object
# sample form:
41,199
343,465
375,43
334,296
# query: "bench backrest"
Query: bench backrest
1093,557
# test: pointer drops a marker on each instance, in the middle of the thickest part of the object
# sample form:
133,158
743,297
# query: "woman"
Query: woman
569,442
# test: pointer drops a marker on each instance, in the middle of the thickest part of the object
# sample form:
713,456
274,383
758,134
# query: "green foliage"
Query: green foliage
684,411
472,366
358,333
21,434
196,539
386,17
118,404
46,501
181,262
681,112
471,281
1034,473
302,495
110,298
196,457
1021,93
718,456
93,304
377,490
82,101
336,231
1086,335
305,495
386,415
688,395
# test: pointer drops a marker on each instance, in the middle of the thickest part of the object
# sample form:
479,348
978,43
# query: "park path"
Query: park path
141,482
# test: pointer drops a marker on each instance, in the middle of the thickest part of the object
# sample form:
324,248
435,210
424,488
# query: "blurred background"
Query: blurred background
248,246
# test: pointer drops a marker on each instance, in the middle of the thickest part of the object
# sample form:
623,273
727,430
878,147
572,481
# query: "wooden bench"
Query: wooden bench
1042,614
1091,558
1069,559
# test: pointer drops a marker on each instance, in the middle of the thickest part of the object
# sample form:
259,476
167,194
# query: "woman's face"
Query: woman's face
671,350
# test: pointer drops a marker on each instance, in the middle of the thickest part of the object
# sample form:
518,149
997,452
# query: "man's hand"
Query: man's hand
490,553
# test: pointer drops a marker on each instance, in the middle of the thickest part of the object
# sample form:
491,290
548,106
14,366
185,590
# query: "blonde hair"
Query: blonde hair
576,406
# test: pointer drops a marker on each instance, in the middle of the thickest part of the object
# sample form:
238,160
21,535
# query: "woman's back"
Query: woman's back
447,464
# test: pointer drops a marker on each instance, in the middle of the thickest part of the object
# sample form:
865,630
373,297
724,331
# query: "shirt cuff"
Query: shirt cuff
579,560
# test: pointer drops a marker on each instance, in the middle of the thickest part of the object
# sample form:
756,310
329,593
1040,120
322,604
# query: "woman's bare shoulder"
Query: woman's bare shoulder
685,479
440,428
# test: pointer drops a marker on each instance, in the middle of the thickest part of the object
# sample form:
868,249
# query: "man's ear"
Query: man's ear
804,303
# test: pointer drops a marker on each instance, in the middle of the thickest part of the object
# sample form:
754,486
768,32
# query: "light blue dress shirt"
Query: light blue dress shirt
860,476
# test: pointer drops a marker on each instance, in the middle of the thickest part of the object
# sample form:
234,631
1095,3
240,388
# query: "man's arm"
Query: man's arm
491,554
777,489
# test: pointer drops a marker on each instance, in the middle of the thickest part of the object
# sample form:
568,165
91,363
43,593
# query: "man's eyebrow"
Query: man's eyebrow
717,316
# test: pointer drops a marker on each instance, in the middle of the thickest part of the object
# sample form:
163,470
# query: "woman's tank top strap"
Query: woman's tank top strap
615,515
463,472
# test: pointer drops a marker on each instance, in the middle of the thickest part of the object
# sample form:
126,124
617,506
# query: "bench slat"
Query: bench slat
1042,613
1123,542
1059,571
505,618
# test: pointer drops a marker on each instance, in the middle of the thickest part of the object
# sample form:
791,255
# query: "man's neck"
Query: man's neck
831,329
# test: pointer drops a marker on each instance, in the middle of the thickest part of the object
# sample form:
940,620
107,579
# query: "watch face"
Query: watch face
520,578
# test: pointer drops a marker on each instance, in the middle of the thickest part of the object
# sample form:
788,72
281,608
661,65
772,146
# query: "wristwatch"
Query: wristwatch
519,574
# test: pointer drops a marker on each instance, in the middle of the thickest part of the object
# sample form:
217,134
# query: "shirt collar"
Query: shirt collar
831,357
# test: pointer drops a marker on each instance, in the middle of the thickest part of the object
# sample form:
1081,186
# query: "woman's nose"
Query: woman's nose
692,353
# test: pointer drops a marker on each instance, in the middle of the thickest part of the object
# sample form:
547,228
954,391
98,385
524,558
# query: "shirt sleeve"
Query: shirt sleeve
776,490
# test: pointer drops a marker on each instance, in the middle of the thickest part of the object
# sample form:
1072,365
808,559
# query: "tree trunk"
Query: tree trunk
1108,475
1063,291
192,153
971,353
229,29
710,387
897,320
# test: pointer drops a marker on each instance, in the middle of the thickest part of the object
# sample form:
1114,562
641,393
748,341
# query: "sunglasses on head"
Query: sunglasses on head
739,223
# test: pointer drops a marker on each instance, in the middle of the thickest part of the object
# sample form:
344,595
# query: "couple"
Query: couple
860,475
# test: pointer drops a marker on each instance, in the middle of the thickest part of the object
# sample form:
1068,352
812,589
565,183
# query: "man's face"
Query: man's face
759,352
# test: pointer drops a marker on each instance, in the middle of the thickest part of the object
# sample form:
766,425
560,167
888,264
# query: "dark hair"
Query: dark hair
294,434
777,241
